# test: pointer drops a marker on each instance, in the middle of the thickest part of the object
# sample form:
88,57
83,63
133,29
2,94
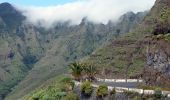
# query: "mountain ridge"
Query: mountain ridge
27,51
12,17
142,53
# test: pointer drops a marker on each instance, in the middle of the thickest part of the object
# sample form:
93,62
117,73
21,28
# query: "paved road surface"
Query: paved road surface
120,84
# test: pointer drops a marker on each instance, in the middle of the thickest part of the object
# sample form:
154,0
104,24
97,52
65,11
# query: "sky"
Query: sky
49,12
37,2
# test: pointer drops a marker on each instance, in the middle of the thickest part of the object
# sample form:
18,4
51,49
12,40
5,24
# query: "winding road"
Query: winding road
119,84
125,83
122,86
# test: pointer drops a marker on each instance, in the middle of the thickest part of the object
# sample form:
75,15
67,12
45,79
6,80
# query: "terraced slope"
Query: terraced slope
142,53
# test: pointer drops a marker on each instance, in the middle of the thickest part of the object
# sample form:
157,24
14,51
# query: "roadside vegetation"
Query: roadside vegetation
81,71
61,88
102,91
162,37
136,96
87,89
146,87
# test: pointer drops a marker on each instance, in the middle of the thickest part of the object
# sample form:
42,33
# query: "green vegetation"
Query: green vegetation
57,88
90,71
146,87
77,70
162,37
165,13
125,56
29,60
52,94
67,84
80,71
132,94
158,93
102,91
40,54
115,61
113,92
167,37
136,96
86,88
71,96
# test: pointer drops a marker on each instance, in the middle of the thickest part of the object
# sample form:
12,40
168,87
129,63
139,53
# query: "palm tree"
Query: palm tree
77,69
90,71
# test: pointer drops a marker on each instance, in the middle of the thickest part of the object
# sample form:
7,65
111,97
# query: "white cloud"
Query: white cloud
98,11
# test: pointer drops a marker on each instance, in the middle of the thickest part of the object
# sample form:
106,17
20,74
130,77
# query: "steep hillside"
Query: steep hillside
51,89
142,53
67,44
13,60
157,52
35,54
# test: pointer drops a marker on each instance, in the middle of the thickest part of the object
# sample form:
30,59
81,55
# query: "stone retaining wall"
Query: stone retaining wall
119,80
121,89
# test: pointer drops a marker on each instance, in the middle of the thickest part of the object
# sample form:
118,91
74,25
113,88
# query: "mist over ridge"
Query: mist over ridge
96,11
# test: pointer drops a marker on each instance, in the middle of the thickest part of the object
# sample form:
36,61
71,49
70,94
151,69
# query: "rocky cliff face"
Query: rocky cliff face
157,69
158,56
158,49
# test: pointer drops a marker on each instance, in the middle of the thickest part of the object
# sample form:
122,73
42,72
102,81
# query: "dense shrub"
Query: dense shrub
67,84
167,37
132,94
158,93
86,88
11,54
113,92
147,97
71,96
29,60
161,28
102,91
35,98
50,93
77,70
90,71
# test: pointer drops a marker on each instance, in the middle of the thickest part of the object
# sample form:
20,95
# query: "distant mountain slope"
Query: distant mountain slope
35,54
64,44
11,17
142,53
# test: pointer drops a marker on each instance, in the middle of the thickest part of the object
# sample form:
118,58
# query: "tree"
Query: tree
77,69
102,91
90,71
86,88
